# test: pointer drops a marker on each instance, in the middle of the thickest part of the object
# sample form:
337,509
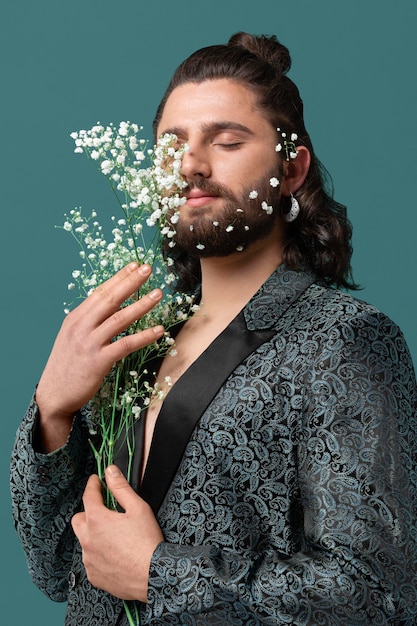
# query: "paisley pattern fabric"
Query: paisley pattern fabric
294,500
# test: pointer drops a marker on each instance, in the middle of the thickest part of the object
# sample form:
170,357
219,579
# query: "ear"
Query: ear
295,171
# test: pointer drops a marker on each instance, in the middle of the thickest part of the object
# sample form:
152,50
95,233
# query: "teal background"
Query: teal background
65,66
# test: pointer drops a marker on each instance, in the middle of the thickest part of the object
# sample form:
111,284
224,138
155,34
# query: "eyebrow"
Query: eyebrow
211,127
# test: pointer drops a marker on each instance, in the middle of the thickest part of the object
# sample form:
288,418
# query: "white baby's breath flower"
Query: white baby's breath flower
229,228
200,246
267,208
274,182
253,194
148,185
106,167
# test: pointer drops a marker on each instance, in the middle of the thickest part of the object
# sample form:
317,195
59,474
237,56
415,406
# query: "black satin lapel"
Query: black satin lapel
187,401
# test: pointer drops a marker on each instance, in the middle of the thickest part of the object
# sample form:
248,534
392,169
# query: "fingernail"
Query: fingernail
113,471
155,294
158,330
145,269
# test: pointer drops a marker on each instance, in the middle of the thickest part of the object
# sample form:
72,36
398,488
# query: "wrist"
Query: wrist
53,427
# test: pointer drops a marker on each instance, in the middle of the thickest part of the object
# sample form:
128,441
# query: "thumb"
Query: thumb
120,488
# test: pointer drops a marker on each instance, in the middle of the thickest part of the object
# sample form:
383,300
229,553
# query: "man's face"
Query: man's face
231,154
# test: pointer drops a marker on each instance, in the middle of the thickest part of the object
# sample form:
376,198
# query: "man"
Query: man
276,481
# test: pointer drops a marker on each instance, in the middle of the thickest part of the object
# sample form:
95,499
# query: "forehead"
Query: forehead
194,106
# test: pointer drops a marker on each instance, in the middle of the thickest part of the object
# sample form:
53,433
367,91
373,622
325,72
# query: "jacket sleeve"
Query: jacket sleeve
356,456
46,491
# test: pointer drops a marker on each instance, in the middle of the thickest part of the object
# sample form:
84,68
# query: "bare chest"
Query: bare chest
189,345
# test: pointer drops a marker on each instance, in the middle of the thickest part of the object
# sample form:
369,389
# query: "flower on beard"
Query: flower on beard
267,208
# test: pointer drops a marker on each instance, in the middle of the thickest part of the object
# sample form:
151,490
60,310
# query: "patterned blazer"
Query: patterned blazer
282,472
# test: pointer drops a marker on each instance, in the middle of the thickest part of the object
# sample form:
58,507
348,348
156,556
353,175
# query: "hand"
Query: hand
84,352
117,547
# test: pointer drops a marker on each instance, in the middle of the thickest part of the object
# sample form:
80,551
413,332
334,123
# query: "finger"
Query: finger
108,296
93,497
120,488
123,318
78,524
128,344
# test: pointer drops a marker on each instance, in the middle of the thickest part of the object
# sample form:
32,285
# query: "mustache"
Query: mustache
211,188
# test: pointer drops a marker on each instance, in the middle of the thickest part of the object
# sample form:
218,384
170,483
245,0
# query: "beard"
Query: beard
230,228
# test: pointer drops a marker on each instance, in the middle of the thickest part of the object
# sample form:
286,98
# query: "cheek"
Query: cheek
238,173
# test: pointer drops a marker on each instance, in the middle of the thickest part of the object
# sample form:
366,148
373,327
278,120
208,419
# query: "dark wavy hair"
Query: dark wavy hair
320,238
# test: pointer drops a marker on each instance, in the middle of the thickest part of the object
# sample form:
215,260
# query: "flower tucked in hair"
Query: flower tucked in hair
288,146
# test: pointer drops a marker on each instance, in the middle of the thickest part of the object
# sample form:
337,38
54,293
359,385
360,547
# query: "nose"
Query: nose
195,164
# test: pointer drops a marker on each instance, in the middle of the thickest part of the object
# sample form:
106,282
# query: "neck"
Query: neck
228,283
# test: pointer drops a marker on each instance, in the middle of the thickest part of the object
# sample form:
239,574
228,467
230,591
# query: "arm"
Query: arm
48,475
46,491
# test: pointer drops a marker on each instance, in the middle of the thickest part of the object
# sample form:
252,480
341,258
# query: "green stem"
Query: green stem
129,616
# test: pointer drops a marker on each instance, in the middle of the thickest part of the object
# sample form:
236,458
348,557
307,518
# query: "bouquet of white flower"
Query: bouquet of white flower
147,185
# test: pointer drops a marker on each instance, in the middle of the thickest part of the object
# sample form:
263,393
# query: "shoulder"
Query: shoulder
328,324
350,336
326,307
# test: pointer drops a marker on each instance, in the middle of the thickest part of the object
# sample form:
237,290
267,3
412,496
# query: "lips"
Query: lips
198,197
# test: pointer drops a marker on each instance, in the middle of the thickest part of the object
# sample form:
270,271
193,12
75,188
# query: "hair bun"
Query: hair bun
267,48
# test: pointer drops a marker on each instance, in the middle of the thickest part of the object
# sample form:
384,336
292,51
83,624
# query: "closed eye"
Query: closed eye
230,146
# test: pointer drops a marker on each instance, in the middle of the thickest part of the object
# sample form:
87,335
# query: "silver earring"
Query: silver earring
294,210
